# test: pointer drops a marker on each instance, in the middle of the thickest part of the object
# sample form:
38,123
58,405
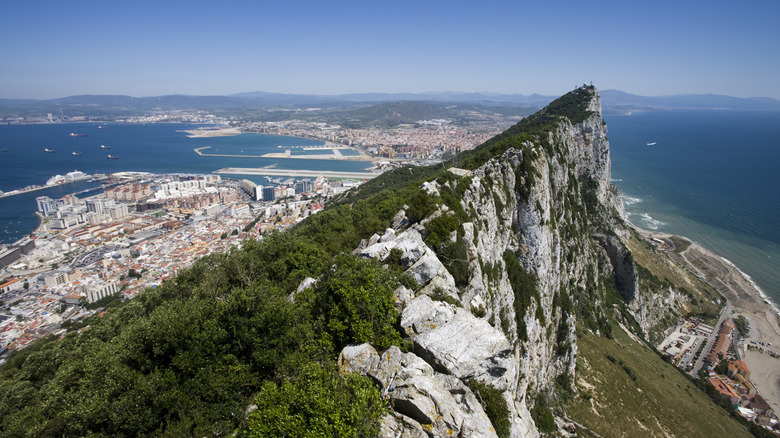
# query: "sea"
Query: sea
711,176
156,148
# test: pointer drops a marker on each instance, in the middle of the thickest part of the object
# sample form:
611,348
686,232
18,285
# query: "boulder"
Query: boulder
454,341
440,404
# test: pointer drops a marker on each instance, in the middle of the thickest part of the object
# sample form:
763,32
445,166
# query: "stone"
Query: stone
456,342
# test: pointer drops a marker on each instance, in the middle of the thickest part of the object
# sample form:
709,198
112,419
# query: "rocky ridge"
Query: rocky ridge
537,246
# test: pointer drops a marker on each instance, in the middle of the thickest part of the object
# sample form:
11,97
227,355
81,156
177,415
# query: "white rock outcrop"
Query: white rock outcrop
442,405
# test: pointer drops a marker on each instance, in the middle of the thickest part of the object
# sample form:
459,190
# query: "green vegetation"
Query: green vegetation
439,295
661,400
542,415
494,405
742,325
186,359
619,362
319,402
525,290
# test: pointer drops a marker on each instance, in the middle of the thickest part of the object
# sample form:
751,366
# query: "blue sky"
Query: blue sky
52,49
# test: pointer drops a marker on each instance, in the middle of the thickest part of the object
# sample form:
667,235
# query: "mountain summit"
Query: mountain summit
498,294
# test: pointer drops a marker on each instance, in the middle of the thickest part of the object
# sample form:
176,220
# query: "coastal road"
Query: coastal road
725,314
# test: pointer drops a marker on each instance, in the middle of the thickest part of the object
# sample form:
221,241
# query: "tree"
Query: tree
356,299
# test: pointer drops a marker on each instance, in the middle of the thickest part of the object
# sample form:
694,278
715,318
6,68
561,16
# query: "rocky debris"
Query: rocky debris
440,404
456,342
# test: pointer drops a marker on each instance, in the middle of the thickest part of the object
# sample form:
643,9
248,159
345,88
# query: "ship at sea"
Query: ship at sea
102,146
101,127
110,157
76,154
73,134
48,150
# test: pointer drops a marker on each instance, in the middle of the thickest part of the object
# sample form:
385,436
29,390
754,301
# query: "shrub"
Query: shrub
494,405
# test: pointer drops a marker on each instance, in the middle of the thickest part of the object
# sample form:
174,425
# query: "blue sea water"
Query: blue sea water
711,176
156,148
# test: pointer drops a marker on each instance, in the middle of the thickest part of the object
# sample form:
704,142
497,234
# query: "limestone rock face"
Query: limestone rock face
538,205
438,404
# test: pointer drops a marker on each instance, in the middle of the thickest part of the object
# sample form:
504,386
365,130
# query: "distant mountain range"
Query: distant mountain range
619,101
613,101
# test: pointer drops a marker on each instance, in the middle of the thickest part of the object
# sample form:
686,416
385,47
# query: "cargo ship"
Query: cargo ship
110,157
76,154
102,146
48,150
73,134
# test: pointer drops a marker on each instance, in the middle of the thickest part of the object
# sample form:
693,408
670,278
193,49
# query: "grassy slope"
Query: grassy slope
661,402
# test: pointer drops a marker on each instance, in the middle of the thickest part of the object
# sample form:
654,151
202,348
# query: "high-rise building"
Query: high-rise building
268,193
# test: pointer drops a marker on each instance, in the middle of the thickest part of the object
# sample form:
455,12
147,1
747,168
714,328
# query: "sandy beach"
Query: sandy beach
220,132
747,301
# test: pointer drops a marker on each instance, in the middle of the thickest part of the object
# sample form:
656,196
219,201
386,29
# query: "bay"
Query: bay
156,148
710,176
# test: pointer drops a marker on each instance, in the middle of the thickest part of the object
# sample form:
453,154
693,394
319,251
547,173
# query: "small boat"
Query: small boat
102,146
110,157
101,127
73,134
76,154
48,150
651,144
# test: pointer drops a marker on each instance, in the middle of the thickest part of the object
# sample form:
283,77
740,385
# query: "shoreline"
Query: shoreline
748,300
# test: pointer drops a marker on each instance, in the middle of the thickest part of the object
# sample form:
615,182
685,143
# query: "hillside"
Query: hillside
471,300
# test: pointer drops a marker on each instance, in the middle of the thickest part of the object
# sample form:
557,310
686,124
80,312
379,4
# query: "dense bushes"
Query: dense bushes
319,402
185,359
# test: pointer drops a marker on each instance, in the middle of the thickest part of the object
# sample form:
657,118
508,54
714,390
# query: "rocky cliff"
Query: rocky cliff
522,240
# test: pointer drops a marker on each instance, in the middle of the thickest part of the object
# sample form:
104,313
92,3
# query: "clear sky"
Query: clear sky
52,49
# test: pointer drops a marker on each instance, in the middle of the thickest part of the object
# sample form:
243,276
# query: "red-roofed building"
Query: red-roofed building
12,284
725,390
738,367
